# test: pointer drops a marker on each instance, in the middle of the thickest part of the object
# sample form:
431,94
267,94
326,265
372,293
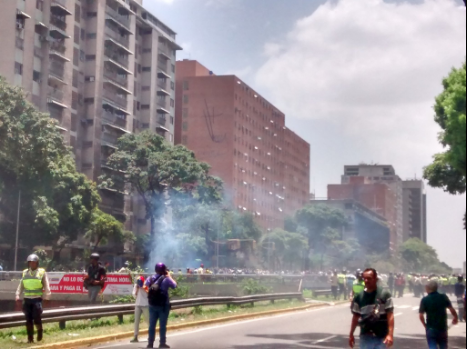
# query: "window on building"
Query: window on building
172,103
185,126
146,69
145,107
146,88
172,120
90,57
18,68
36,76
90,78
185,140
77,13
186,99
173,68
92,14
77,34
83,34
89,101
75,78
172,85
74,100
185,113
40,5
91,35
186,85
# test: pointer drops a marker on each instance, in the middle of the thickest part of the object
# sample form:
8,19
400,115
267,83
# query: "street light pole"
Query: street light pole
17,231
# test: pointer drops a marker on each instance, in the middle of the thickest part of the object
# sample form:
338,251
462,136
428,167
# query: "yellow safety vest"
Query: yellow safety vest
358,287
341,278
32,283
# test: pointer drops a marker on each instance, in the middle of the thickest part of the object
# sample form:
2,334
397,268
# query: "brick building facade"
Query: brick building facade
264,165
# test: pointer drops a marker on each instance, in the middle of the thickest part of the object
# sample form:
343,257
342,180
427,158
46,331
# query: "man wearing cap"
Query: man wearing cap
95,280
35,286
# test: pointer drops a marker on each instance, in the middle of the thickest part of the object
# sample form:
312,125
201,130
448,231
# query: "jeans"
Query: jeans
158,314
93,292
437,339
138,312
370,342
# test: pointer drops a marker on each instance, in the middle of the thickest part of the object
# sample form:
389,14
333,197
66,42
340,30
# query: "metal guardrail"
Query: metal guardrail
63,315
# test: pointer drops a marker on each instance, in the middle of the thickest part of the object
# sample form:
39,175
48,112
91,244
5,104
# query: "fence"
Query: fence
61,316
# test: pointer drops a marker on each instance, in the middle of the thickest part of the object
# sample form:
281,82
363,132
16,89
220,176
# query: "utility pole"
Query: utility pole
17,231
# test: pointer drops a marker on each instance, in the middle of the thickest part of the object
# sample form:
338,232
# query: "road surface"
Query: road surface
325,328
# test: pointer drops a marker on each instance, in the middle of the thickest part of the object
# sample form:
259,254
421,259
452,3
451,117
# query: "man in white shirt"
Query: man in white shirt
141,306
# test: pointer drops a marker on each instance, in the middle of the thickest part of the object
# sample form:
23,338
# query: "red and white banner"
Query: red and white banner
116,284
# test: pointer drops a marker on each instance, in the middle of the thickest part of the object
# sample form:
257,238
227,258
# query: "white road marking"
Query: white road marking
325,340
403,307
398,314
416,308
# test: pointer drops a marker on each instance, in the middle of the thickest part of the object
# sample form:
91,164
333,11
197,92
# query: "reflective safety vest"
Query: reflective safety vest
446,282
32,283
358,287
341,278
453,281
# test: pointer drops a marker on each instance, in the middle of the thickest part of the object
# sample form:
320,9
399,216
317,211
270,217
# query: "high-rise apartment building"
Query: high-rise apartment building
415,210
101,68
379,188
264,165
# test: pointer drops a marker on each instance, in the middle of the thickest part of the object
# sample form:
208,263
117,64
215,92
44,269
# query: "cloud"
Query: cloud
372,68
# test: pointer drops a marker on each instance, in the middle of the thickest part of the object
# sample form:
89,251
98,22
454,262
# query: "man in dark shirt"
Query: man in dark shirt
436,323
373,310
459,291
95,280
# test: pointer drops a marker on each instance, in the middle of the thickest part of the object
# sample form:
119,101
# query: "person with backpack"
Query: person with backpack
159,303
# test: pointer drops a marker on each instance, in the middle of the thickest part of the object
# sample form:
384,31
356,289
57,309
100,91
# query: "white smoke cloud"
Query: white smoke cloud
371,67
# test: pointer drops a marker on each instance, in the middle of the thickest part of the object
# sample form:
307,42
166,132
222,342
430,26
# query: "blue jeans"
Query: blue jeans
370,342
157,314
437,339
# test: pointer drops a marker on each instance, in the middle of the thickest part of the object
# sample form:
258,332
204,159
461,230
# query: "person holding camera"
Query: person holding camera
159,303
95,280
373,311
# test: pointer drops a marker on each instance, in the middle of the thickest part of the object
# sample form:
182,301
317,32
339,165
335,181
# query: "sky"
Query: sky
356,78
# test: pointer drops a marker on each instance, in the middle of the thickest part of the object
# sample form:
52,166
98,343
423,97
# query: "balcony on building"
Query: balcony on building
118,14
116,77
109,140
109,105
57,47
162,74
162,131
22,16
55,97
58,8
113,202
57,71
117,62
162,107
121,37
115,119
57,28
116,96
118,56
163,93
56,113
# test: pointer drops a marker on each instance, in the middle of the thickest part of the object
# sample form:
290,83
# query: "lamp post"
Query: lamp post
17,231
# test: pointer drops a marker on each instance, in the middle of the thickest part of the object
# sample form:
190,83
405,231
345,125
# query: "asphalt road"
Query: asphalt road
325,328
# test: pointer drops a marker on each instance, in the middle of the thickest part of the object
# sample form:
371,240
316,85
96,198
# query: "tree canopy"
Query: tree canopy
420,257
448,169
56,201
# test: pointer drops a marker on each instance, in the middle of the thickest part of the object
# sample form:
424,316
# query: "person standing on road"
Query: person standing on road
358,286
141,306
400,285
342,284
35,286
335,285
459,291
159,304
373,311
436,324
95,280
391,282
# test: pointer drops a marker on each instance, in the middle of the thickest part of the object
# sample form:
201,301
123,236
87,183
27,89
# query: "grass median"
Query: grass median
16,337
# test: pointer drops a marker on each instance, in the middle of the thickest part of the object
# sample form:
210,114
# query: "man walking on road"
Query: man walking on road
391,283
436,323
373,310
335,285
459,291
95,280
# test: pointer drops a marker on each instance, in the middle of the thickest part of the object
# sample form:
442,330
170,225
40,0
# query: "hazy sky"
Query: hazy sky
356,79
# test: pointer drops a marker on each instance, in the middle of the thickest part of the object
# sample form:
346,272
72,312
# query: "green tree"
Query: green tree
323,226
289,249
104,228
420,257
448,169
57,201
154,169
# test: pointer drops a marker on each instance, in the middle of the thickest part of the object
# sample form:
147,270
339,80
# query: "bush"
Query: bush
253,287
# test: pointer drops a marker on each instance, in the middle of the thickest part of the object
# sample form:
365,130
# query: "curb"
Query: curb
119,336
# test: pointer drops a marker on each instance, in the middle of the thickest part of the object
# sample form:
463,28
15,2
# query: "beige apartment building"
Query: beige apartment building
101,68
